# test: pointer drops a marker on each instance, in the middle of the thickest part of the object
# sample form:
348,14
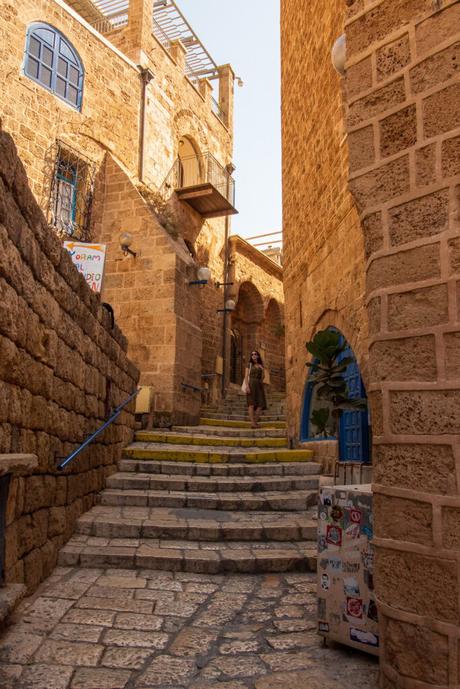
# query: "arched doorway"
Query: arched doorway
236,357
246,321
354,426
189,161
273,344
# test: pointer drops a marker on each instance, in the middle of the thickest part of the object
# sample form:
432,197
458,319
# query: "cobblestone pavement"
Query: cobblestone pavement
127,629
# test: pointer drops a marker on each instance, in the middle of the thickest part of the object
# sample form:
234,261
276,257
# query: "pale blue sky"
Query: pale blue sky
245,33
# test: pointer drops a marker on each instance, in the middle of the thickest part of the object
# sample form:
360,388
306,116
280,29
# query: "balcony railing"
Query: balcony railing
217,110
204,184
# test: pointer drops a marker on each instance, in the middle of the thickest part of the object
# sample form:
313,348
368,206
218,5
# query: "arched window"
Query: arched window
51,61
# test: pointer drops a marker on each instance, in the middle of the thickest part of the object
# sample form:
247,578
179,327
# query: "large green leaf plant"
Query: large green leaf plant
327,373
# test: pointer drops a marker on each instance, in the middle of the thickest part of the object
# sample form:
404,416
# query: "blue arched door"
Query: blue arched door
354,440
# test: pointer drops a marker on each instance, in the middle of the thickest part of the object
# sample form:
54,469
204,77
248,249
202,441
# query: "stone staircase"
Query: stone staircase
234,406
219,497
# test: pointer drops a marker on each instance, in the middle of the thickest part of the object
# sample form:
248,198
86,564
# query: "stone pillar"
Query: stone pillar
140,29
226,94
403,98
205,88
178,53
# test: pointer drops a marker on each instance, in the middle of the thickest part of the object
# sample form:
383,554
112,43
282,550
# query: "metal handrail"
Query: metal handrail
187,386
91,437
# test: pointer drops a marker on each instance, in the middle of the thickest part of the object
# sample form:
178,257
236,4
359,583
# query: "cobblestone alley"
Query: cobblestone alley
126,629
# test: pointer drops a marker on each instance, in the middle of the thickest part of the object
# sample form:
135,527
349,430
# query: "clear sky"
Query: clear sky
245,33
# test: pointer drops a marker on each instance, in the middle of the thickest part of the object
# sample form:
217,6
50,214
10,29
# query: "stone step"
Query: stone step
228,432
204,454
194,524
241,409
202,439
267,418
10,596
229,469
206,484
296,500
190,556
235,423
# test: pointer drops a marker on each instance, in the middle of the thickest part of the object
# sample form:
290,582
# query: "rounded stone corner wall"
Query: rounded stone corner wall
402,92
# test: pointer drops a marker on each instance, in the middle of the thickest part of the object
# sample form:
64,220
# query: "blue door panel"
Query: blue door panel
354,430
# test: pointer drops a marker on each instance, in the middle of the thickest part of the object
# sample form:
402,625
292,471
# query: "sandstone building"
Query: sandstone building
371,222
125,126
111,133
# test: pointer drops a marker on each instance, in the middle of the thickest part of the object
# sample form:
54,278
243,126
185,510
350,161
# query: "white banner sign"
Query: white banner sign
89,259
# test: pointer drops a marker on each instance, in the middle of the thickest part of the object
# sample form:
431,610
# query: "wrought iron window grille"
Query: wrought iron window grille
71,193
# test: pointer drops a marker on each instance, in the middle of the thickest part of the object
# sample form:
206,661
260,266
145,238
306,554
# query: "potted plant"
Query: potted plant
327,374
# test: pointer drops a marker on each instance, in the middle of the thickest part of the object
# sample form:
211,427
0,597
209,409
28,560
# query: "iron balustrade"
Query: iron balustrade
217,110
196,170
194,388
94,435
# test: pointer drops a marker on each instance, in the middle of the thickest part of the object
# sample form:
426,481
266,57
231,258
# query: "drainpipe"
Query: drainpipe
146,77
230,168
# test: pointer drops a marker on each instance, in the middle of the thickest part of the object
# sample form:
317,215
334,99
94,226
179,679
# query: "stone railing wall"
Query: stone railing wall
62,367
403,86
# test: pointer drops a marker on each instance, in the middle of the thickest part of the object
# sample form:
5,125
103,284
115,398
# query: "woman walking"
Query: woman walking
254,383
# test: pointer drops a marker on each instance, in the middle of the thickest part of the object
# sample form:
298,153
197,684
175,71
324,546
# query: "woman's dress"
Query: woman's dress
256,395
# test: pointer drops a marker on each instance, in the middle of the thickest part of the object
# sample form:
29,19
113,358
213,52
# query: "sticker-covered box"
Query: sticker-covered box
347,612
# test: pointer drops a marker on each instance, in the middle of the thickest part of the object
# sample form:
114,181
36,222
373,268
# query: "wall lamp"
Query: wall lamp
203,274
229,307
339,54
126,239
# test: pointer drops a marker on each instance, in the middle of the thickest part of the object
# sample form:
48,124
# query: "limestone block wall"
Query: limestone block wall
403,95
62,367
324,252
36,117
150,292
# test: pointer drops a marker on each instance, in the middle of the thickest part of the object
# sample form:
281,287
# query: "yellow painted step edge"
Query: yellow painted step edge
147,437
216,458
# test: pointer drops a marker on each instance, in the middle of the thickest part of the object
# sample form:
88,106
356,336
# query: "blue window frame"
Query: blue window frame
52,62
66,197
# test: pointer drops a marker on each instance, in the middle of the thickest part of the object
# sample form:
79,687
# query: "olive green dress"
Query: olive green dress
256,396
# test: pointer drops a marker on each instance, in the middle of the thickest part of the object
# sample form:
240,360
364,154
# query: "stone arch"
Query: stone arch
190,169
186,124
273,343
330,318
250,305
353,430
246,324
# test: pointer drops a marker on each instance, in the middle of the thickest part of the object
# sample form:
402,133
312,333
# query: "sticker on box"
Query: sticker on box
362,637
355,607
334,535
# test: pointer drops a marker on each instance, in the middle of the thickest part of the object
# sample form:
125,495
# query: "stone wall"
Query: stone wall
324,253
62,367
403,95
129,196
106,134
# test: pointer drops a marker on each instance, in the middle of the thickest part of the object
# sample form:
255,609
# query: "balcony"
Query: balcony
202,183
